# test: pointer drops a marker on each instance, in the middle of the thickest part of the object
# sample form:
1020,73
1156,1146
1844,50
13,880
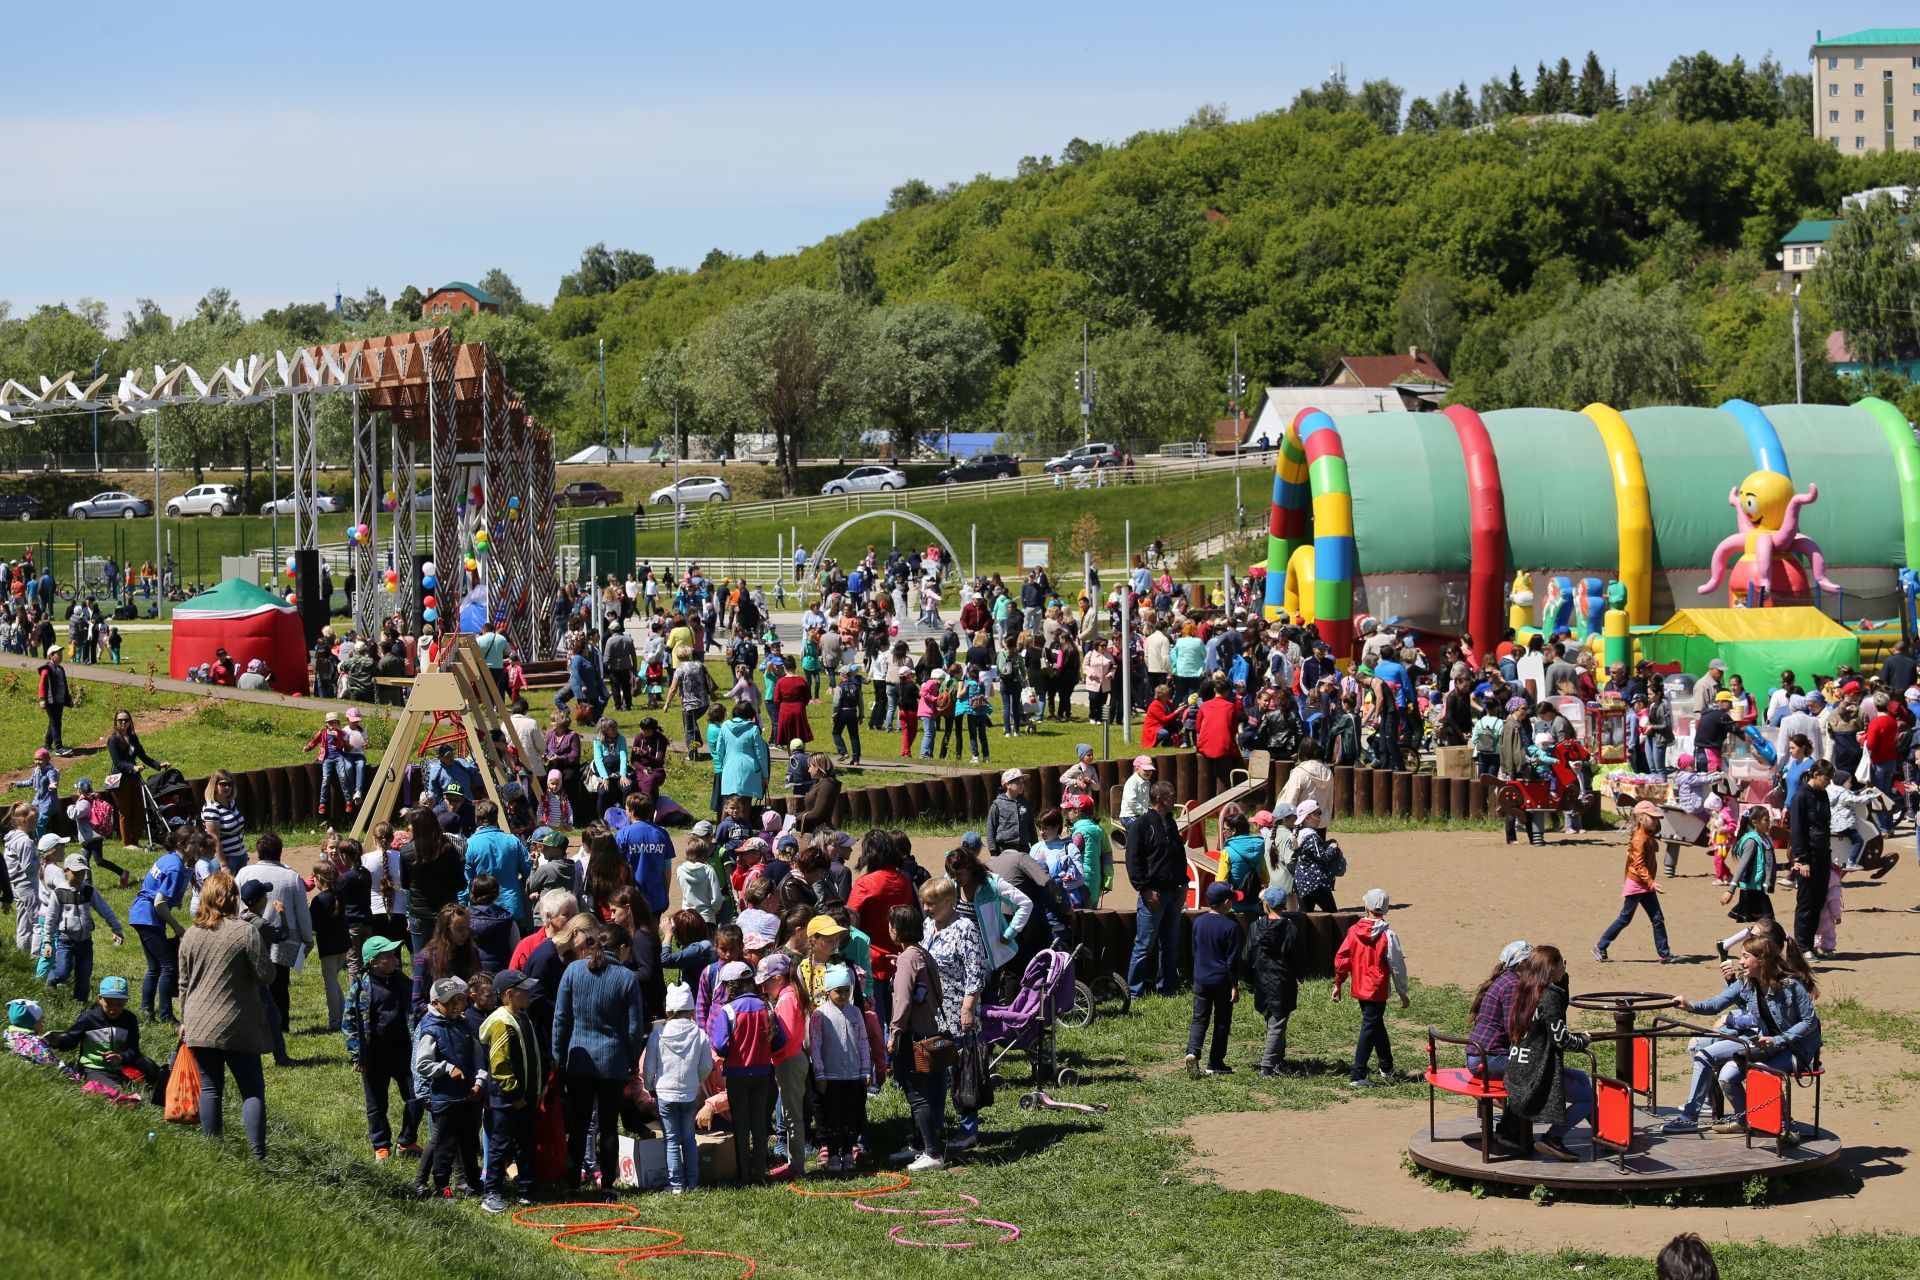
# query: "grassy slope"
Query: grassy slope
1155,510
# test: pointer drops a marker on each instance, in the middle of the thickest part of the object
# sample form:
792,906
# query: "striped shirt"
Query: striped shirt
231,824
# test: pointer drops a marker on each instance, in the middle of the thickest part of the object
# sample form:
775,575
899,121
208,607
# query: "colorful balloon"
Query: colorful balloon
428,570
430,602
429,582
431,615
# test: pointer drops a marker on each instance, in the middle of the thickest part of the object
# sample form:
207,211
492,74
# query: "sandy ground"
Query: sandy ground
1564,895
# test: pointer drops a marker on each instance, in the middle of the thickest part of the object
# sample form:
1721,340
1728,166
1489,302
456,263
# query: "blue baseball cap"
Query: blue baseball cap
113,988
1274,896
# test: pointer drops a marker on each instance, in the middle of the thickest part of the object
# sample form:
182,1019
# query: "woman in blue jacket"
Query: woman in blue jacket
1772,1022
599,1029
740,754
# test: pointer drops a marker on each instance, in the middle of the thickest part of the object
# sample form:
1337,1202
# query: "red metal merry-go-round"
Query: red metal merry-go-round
1624,1149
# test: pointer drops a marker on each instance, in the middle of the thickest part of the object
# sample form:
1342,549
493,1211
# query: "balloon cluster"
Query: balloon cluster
429,579
480,541
392,501
358,533
473,496
293,566
513,508
392,582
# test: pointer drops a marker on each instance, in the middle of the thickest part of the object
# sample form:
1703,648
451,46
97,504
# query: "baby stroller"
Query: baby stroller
169,803
1046,992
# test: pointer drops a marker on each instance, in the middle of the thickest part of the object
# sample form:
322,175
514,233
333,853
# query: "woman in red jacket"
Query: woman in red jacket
881,887
1158,727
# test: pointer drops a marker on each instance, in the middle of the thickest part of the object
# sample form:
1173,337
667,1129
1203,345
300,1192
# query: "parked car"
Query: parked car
1086,457
693,489
20,506
326,504
985,466
206,500
588,493
113,502
867,480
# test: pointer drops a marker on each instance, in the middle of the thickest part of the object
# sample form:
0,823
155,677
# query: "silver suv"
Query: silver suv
206,500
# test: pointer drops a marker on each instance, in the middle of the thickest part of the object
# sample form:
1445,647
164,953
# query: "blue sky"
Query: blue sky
280,150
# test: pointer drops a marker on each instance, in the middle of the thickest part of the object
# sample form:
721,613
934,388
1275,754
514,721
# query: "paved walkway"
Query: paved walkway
127,676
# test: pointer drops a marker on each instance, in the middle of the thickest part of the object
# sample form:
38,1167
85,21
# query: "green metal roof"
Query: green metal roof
1811,231
473,291
1872,36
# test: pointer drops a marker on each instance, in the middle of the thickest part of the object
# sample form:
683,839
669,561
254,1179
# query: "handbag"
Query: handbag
973,1085
933,1053
595,783
183,1089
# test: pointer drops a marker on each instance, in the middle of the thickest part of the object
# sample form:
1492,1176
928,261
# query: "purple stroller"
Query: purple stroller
1046,992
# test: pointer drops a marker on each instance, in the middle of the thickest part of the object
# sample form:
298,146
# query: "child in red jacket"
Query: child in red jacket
1370,953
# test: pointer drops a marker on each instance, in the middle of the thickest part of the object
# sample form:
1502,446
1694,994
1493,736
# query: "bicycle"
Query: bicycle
1105,993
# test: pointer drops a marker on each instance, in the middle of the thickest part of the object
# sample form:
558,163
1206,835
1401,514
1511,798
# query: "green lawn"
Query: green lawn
23,725
1105,1195
993,524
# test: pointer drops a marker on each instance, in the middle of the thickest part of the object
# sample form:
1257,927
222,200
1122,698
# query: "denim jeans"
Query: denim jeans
977,734
1883,776
163,969
381,1067
927,724
1212,1002
252,1082
683,1158
73,957
1156,929
1656,757
926,1099
1373,1039
1650,902
1722,1058
510,1140
334,769
1579,1090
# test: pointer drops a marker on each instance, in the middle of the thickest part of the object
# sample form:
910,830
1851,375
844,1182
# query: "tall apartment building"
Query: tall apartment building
1866,89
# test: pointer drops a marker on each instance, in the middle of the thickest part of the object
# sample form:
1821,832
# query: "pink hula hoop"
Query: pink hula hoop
893,1234
973,1202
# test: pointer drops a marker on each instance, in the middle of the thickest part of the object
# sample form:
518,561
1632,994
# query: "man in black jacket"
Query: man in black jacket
1157,869
1807,826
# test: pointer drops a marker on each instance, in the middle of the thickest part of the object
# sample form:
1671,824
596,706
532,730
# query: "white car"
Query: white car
206,500
693,489
867,480
326,504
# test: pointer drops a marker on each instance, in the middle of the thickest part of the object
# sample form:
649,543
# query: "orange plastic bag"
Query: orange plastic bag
183,1089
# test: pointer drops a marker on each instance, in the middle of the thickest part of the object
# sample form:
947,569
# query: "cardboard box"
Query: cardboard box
1453,762
643,1164
717,1163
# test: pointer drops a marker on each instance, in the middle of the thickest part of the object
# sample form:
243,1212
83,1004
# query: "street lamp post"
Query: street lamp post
1799,389
676,486
96,412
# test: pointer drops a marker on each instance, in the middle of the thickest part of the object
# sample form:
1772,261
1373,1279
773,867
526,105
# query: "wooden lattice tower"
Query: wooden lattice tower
460,687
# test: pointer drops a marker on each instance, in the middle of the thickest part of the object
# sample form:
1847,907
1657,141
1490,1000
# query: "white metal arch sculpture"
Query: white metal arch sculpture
881,513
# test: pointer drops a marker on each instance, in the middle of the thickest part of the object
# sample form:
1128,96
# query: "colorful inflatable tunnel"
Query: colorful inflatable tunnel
1428,516
248,622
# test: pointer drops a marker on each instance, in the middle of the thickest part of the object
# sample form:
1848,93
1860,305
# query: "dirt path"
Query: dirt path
1459,898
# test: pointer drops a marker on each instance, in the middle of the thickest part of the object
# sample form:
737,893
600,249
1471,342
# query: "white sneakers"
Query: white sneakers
925,1163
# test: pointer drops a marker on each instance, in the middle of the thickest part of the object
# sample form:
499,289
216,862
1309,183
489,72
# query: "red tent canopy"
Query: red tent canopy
248,623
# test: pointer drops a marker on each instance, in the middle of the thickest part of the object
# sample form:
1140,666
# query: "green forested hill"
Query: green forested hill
1630,259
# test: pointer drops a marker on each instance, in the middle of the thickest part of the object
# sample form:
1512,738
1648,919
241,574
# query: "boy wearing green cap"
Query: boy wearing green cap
380,1044
108,1038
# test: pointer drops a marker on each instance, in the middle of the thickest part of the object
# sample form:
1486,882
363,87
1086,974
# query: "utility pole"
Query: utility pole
96,411
676,486
1799,389
1236,391
1084,383
604,434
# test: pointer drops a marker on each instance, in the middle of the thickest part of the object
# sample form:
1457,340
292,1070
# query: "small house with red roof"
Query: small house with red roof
458,295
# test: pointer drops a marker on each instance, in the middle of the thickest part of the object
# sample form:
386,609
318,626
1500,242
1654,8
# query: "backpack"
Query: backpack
100,813
1486,735
943,701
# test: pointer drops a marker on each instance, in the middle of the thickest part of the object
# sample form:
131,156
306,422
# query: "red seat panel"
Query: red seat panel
1465,1083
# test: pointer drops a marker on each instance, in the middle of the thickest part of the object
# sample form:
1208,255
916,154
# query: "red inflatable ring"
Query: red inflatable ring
799,1190
752,1266
628,1210
560,1243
